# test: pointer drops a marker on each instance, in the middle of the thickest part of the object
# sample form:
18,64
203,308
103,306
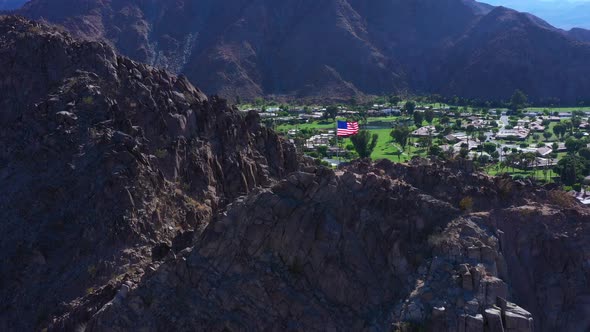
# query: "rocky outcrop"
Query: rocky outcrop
107,165
370,248
132,201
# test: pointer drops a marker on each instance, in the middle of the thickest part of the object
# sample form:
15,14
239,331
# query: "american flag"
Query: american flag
346,129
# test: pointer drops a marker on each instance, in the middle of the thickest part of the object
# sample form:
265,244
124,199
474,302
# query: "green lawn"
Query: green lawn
387,149
538,174
320,125
330,124
558,109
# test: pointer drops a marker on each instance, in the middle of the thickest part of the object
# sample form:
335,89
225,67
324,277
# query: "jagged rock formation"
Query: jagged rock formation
384,247
339,48
104,163
131,201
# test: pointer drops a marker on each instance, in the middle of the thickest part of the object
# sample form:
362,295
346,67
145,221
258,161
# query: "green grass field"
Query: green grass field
387,149
558,109
538,174
319,125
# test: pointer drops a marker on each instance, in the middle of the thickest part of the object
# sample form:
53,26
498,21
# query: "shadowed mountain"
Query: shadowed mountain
336,48
103,159
506,49
383,248
580,34
564,14
130,201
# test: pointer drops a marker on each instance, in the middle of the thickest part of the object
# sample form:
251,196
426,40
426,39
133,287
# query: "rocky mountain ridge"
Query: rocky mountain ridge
582,35
132,201
338,49
103,159
375,247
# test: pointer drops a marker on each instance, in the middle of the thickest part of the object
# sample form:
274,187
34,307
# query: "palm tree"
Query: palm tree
511,160
430,132
550,160
481,137
535,165
504,150
529,159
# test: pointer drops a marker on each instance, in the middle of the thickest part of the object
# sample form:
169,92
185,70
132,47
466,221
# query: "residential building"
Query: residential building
425,132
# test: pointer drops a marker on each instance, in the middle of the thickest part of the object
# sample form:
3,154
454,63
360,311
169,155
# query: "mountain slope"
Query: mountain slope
562,14
375,248
131,201
530,50
235,41
580,34
333,48
104,163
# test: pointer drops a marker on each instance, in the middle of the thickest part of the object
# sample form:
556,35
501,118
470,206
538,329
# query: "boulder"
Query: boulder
493,318
474,323
467,281
517,323
494,288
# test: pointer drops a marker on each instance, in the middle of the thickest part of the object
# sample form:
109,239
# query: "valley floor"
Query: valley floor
388,149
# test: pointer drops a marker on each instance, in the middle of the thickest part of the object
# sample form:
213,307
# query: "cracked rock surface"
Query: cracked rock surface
130,201
104,164
374,247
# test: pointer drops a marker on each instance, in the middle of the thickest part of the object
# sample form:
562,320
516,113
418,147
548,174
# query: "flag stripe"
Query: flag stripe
347,128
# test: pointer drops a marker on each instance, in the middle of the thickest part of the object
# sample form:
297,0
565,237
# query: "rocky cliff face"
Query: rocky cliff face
338,48
106,163
131,201
383,247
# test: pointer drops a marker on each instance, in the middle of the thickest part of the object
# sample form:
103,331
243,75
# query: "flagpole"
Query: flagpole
337,145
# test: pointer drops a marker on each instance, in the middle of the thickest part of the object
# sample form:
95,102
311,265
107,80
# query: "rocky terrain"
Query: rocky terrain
336,49
103,163
130,201
383,247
